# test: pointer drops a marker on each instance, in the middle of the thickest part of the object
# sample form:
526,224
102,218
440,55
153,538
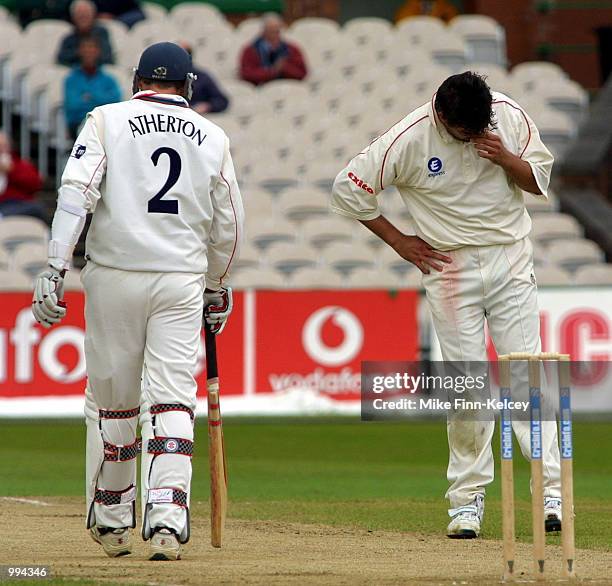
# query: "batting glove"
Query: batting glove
47,305
217,308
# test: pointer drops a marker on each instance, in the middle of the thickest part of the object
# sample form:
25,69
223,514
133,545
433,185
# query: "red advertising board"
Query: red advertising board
274,341
35,361
317,340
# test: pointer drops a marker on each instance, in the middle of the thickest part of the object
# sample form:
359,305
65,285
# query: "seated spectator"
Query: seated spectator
19,181
126,11
270,57
441,9
87,86
206,97
83,15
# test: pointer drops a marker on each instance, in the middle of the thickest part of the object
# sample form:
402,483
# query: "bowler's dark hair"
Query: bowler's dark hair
465,101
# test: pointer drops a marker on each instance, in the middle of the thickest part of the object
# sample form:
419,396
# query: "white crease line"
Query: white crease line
25,501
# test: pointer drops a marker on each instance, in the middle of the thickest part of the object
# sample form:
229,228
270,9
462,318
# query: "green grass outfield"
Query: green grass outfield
336,471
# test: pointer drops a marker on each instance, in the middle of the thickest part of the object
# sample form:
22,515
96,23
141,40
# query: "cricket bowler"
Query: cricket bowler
159,180
462,163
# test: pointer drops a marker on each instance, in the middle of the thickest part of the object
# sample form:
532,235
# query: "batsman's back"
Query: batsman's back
162,162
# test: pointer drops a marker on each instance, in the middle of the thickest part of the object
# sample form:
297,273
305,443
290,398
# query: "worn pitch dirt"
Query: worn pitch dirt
267,552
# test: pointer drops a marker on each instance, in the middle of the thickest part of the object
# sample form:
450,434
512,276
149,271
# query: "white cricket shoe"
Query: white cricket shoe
466,520
116,542
552,514
164,545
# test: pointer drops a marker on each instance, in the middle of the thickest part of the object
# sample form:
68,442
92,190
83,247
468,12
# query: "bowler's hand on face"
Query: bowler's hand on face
490,146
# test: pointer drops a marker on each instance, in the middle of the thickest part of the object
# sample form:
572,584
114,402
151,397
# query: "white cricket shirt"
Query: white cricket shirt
160,182
455,197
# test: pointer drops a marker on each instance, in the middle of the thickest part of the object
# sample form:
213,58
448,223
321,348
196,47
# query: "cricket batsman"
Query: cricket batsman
462,163
159,180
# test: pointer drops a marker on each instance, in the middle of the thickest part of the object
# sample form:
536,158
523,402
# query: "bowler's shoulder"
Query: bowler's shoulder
416,123
506,105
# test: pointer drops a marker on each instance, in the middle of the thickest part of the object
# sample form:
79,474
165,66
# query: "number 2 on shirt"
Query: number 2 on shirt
157,205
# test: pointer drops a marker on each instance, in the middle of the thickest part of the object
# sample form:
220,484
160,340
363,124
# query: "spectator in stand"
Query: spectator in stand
126,11
441,9
19,181
83,15
87,86
206,97
270,57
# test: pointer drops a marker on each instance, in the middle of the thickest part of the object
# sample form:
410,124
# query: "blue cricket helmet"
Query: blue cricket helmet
165,62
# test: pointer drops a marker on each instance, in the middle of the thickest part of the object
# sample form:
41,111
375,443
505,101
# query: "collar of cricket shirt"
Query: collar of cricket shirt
444,134
169,99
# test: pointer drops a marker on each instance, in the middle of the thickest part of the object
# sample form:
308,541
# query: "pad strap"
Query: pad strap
165,407
170,445
167,495
115,497
118,414
113,453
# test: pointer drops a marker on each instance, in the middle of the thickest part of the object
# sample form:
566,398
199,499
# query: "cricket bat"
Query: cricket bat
216,450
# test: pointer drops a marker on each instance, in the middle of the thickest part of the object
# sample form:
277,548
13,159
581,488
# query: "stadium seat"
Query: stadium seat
315,278
16,230
119,33
372,35
309,29
347,257
45,34
372,278
449,51
185,13
553,226
145,32
30,258
419,31
14,280
410,279
299,204
261,278
322,174
597,274
532,73
556,130
258,206
266,234
154,11
247,30
552,275
566,96
321,233
484,37
573,254
5,259
250,258
288,258
269,177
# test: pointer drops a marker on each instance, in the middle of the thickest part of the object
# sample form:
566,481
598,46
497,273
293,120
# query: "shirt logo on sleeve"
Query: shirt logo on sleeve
435,166
78,151
359,183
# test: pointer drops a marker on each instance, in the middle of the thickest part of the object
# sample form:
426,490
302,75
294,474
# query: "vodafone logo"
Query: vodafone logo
25,336
318,350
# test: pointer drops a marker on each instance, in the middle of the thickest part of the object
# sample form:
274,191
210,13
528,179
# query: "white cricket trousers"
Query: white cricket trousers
134,320
495,283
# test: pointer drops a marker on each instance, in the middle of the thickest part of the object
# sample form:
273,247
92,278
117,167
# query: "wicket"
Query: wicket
537,488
